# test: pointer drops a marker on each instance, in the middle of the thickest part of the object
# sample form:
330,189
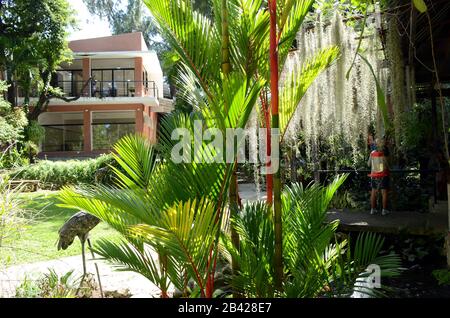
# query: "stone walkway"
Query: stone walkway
138,286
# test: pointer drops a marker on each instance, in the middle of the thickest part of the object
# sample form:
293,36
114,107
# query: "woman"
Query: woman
379,177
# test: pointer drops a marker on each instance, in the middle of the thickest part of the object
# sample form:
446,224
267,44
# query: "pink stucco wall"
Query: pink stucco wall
121,42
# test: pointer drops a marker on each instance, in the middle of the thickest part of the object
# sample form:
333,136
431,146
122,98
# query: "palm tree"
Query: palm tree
316,263
172,215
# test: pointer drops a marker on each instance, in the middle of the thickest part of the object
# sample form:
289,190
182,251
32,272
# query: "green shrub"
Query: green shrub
56,174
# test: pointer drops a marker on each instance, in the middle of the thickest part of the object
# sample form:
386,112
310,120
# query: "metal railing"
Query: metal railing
102,89
365,172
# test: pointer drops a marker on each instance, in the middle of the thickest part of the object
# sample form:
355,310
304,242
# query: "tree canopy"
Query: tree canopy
33,43
131,17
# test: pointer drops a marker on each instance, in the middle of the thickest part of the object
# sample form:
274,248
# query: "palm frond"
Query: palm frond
187,232
255,255
298,82
136,157
124,257
192,36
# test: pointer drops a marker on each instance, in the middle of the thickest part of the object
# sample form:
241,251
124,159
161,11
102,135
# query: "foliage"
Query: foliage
35,133
416,130
12,213
315,263
12,120
181,233
52,285
33,44
348,8
344,200
28,288
12,123
12,158
127,18
56,174
442,276
176,210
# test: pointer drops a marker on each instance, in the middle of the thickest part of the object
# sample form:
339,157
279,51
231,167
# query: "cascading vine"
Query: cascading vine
397,78
333,105
253,138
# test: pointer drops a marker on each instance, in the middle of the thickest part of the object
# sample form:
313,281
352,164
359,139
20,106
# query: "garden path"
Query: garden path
138,286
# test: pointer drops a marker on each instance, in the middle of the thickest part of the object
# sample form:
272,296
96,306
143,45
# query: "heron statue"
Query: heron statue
79,224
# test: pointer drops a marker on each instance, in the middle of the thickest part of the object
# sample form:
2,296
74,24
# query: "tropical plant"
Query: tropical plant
175,209
159,208
315,262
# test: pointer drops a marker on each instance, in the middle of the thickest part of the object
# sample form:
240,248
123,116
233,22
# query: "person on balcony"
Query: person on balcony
379,176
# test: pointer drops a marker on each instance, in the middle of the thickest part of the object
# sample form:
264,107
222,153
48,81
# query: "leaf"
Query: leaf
299,81
420,5
380,97
186,232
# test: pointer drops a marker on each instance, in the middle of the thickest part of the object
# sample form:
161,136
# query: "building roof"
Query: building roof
115,43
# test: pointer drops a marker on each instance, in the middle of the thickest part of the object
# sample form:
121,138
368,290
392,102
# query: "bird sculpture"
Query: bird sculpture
79,224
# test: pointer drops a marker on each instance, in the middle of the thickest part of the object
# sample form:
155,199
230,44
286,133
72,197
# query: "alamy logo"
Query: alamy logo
210,145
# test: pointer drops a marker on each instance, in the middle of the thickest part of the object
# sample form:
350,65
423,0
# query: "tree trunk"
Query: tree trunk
273,55
11,92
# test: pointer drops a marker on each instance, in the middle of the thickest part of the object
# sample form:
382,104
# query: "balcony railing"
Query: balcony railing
102,89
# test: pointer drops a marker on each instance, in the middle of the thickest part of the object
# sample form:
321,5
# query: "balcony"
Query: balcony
103,89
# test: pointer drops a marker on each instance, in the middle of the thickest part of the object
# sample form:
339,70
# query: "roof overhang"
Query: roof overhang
116,54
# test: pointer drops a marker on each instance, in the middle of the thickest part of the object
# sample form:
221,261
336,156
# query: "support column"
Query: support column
138,76
87,130
139,121
154,127
87,75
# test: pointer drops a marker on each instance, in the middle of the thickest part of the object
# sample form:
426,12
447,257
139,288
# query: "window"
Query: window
113,82
63,132
109,127
70,81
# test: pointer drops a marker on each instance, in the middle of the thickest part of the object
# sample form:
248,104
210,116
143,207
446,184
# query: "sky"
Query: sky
90,26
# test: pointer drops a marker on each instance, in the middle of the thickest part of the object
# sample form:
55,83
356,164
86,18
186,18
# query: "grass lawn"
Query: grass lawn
38,241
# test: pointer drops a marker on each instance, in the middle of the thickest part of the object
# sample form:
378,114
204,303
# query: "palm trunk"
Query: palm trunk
265,108
273,53
233,189
269,177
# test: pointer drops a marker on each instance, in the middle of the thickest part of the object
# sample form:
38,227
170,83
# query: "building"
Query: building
119,83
